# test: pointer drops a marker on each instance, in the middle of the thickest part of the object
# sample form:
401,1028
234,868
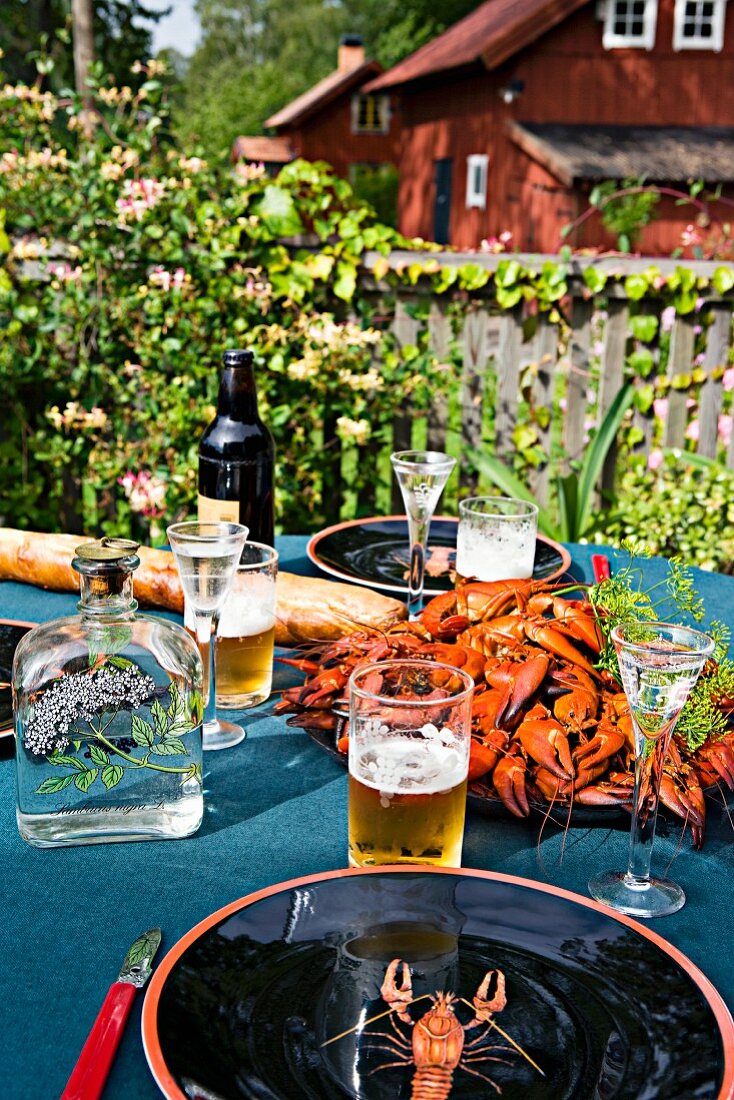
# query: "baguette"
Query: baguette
308,609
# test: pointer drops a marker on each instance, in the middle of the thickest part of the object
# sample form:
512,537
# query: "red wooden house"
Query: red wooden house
510,117
334,121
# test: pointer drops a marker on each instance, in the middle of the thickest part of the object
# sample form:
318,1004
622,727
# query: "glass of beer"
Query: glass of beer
246,633
409,736
496,538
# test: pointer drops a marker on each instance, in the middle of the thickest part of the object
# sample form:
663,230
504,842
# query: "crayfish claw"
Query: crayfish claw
398,997
485,1006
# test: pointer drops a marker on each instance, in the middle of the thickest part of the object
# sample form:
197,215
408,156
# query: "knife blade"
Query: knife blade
88,1077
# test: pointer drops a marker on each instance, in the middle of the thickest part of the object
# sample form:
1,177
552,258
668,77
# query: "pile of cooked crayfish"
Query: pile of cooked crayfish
549,728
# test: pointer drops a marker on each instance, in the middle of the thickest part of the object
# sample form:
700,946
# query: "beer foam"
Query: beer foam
241,617
405,765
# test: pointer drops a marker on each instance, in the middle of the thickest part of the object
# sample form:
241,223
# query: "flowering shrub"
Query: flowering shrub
128,267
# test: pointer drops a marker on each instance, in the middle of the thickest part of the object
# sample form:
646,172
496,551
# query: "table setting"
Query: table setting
357,910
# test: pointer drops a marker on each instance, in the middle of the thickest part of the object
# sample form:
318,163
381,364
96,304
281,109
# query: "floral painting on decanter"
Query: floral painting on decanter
108,710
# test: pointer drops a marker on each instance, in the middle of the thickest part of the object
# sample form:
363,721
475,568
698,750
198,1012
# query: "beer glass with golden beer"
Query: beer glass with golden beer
246,633
409,737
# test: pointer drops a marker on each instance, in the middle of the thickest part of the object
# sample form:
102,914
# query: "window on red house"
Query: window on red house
370,114
699,24
630,23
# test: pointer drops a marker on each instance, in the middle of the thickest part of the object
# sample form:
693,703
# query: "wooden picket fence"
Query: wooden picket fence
576,367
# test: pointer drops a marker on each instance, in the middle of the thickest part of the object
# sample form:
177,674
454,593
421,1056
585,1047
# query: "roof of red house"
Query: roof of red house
341,80
265,150
489,35
662,153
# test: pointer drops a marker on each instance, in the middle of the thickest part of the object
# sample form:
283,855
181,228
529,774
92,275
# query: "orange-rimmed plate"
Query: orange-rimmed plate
278,995
11,631
375,552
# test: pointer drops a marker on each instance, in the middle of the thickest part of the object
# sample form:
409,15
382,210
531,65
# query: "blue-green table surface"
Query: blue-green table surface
275,809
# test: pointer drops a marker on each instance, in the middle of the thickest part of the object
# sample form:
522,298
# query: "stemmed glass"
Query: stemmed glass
207,555
659,664
421,476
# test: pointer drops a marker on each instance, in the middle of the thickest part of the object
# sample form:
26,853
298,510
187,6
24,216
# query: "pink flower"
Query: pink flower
655,459
690,236
660,407
139,196
496,244
145,492
725,424
667,318
728,379
692,431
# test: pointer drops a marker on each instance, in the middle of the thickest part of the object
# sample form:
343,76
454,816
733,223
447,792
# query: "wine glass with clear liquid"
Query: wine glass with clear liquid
207,555
421,476
659,664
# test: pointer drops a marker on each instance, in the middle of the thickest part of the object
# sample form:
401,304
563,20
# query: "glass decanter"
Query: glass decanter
108,716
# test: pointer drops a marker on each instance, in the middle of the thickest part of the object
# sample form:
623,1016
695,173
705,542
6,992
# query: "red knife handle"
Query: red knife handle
601,567
90,1073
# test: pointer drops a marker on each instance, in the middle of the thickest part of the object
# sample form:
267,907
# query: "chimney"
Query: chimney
351,52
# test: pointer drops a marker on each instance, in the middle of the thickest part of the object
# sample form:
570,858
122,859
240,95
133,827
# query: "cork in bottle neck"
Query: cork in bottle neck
105,567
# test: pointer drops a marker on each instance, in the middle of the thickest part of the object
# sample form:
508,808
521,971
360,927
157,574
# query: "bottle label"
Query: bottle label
218,511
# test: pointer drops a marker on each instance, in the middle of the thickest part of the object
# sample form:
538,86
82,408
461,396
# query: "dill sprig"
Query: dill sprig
622,598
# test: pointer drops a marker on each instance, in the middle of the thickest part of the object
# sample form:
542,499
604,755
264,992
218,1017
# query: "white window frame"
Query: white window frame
476,186
645,41
715,42
383,113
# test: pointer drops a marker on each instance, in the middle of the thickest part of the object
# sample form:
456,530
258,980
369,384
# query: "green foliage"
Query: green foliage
680,510
626,208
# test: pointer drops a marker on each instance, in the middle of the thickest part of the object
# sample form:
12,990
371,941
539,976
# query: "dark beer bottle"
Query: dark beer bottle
237,454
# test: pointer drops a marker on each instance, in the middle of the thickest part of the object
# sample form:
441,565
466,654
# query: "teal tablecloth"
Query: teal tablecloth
275,809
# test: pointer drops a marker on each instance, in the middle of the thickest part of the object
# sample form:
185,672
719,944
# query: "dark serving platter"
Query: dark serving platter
11,631
278,995
374,552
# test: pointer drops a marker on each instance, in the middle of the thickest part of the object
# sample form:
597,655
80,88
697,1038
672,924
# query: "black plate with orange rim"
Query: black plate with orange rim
278,995
11,631
374,552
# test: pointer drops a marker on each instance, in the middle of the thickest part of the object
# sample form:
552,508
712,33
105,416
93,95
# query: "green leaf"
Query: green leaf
568,506
636,287
142,732
111,775
278,210
723,279
54,784
346,281
508,272
508,298
67,761
85,780
644,327
176,701
595,279
641,362
160,718
98,755
119,662
172,746
596,453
